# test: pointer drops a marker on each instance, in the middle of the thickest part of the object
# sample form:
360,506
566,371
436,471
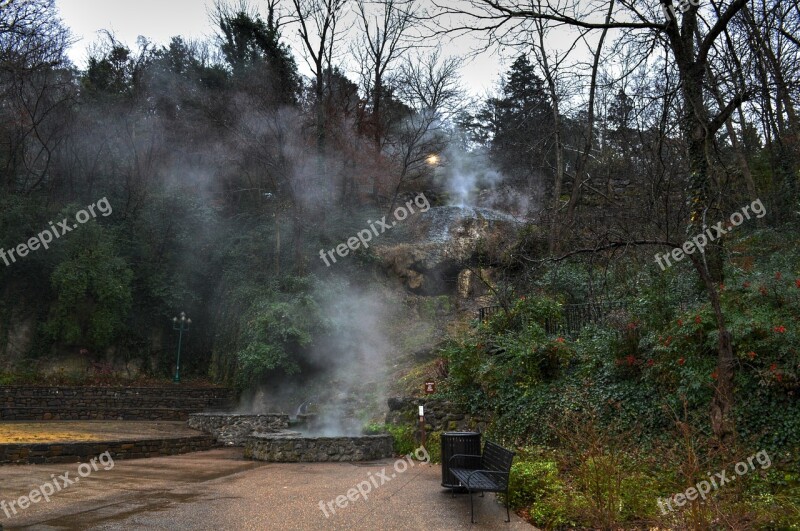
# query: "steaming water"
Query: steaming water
440,220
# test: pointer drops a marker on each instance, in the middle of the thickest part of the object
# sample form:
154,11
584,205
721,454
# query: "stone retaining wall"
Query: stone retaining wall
232,429
21,454
440,415
84,413
281,448
109,403
12,392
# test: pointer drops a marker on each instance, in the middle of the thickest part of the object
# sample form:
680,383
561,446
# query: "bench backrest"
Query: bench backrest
497,458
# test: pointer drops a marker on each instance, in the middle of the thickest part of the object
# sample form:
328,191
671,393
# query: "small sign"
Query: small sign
430,387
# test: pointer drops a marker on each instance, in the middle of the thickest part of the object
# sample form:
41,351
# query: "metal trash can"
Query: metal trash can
457,442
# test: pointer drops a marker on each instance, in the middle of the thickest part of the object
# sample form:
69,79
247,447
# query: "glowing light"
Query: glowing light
433,159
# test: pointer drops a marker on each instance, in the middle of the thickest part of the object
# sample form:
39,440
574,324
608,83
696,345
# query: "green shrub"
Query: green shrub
404,443
536,488
532,481
433,444
374,428
93,290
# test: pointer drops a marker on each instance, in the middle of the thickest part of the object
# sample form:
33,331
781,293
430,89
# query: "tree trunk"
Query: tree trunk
699,135
721,411
583,161
376,111
553,237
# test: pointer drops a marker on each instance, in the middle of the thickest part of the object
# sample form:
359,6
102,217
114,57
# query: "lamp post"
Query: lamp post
180,324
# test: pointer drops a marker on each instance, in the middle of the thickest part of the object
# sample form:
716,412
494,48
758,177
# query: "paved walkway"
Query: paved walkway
221,490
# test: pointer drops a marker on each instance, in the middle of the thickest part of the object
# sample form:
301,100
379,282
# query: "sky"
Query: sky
159,20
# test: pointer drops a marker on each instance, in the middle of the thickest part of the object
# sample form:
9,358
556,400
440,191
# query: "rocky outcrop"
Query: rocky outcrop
436,252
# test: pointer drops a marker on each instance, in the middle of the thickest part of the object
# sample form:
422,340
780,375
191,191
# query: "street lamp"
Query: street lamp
181,324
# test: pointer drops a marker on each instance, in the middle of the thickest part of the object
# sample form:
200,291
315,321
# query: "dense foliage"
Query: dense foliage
638,382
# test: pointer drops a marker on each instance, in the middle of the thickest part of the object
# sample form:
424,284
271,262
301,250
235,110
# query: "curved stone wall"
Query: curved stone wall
232,429
292,447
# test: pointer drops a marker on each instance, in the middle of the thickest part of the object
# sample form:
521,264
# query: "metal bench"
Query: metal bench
488,472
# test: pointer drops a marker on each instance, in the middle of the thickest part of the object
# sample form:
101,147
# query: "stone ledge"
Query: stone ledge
38,453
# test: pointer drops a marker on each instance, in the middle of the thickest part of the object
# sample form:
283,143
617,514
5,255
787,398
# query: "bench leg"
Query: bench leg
471,508
508,515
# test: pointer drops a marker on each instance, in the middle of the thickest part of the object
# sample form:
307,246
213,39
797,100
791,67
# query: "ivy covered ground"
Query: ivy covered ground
609,421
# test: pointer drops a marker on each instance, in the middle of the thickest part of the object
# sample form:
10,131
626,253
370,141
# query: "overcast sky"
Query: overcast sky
159,20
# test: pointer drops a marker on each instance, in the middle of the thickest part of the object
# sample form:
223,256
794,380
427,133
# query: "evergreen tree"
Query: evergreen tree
519,125
252,47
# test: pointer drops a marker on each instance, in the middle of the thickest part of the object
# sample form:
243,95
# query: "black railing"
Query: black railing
485,313
574,316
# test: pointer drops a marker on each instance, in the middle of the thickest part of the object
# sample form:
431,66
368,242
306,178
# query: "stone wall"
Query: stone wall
90,413
20,454
109,403
232,429
293,448
440,415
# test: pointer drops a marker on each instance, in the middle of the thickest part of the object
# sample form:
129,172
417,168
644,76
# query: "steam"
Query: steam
471,180
467,173
347,365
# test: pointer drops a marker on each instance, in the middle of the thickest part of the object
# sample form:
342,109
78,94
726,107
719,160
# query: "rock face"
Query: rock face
233,430
291,447
433,250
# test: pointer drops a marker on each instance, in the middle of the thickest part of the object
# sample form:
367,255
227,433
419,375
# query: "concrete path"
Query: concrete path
221,490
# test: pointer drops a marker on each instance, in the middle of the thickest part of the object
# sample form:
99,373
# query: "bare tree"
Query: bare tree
384,28
318,29
551,72
35,87
774,54
690,38
429,85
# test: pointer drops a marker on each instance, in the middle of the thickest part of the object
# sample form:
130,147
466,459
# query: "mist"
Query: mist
345,366
473,180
